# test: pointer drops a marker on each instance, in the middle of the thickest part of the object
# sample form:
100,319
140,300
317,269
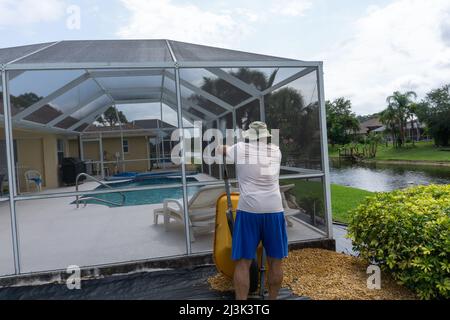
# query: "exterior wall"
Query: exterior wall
51,168
137,150
91,150
36,151
39,151
30,156
111,146
72,149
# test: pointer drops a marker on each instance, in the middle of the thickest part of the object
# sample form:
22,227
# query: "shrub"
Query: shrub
407,233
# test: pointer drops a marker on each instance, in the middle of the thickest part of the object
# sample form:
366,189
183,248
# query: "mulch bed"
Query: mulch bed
326,275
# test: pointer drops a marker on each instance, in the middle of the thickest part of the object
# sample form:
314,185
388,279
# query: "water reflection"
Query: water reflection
386,177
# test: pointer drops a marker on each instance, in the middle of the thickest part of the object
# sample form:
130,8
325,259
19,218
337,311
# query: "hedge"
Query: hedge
407,232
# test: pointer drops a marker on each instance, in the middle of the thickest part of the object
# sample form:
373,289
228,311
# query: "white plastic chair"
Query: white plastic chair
34,177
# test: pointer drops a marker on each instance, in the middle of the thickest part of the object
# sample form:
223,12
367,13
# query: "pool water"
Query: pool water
143,197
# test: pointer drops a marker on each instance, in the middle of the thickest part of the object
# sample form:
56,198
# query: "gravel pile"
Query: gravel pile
326,275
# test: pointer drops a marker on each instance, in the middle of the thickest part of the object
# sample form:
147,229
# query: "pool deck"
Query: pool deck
54,234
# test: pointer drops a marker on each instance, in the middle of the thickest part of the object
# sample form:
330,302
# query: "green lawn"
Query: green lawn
343,199
422,151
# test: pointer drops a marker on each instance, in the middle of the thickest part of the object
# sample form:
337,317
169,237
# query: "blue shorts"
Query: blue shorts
251,228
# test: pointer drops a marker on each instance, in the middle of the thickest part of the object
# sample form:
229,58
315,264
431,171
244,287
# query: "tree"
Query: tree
25,100
363,118
399,110
342,123
109,118
371,142
434,111
388,118
298,123
411,116
233,95
285,109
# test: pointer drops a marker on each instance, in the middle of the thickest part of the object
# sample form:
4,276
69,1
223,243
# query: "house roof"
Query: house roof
380,129
144,124
152,124
370,125
118,128
374,122
144,127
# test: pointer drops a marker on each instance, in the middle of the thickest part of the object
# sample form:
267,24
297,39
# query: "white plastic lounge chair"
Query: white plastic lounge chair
34,177
201,208
288,211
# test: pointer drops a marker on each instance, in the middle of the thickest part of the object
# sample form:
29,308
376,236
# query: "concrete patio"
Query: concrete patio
53,234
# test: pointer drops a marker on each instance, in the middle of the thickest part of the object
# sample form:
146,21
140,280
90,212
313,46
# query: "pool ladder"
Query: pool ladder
85,199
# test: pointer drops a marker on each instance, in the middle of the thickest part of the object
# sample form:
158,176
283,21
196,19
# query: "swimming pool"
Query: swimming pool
143,197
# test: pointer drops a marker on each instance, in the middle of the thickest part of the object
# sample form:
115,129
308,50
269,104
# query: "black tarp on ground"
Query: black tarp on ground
181,284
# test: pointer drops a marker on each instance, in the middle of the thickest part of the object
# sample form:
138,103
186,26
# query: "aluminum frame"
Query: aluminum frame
161,65
93,74
11,170
98,70
324,146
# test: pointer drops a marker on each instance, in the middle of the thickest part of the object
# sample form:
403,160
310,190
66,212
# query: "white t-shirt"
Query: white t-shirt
258,171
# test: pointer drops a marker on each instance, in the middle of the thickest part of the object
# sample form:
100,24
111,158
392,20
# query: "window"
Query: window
125,146
3,161
60,146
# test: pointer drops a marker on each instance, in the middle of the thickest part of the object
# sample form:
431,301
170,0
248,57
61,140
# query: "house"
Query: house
137,143
414,130
370,125
39,150
137,146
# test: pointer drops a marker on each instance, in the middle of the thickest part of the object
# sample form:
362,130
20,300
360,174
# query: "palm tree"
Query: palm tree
387,117
401,105
412,110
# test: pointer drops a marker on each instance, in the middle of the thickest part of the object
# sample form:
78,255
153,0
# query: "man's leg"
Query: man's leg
276,245
275,277
242,279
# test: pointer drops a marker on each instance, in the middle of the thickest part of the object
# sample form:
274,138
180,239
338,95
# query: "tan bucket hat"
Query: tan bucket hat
257,130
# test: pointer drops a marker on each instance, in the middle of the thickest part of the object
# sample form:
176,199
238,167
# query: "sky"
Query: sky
370,48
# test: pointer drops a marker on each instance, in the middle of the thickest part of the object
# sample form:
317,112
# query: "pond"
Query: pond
386,177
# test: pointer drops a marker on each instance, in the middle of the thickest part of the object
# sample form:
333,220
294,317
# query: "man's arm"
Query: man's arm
222,150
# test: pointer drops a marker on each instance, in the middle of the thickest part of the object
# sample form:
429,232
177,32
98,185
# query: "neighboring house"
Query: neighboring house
35,150
135,146
414,131
370,125
43,150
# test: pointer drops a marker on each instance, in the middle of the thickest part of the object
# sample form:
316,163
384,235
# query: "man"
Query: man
260,215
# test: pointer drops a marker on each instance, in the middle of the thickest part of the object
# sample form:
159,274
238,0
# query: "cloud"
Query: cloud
292,8
445,29
402,46
25,12
164,19
225,26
